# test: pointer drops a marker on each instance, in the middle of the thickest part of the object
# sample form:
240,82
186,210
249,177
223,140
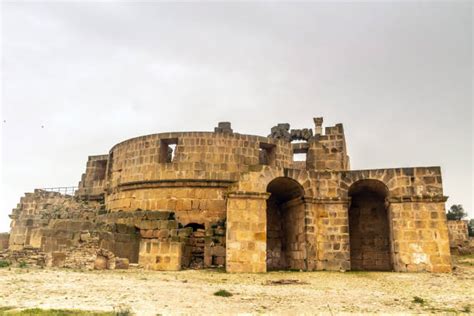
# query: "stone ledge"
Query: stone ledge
417,198
171,183
248,195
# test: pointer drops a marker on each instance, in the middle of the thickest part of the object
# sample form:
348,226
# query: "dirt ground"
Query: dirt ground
192,291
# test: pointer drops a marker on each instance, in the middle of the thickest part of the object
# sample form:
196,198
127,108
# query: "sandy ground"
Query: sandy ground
191,292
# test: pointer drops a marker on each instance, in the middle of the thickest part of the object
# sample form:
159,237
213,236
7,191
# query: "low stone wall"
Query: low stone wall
27,257
163,245
458,236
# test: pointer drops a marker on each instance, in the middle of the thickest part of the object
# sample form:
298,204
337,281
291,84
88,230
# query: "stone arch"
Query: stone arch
369,226
257,181
385,177
285,220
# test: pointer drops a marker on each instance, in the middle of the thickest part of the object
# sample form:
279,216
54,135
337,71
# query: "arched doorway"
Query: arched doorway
369,228
285,225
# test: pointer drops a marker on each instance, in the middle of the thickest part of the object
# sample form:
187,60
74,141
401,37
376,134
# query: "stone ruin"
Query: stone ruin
459,240
184,200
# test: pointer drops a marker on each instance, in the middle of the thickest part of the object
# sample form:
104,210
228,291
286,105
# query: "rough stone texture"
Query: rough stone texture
28,256
4,239
41,210
201,199
246,233
458,236
92,182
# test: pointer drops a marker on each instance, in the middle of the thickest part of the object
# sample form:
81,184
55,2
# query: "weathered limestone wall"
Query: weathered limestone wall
192,199
191,204
162,245
4,239
198,155
29,256
411,222
328,152
332,235
36,210
420,237
93,181
458,235
246,233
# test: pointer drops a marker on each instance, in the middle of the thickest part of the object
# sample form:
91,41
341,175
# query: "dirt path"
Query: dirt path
191,292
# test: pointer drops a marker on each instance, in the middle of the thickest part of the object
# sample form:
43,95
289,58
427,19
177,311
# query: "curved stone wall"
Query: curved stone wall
204,165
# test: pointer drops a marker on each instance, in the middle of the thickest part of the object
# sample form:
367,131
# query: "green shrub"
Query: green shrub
4,264
22,264
223,293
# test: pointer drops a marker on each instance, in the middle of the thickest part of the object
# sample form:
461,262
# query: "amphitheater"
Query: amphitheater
288,201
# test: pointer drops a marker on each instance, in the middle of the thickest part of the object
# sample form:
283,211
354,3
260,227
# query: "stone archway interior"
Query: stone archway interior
285,225
369,228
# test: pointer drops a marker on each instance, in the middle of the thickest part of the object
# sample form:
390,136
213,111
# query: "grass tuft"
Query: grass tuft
4,263
418,300
223,293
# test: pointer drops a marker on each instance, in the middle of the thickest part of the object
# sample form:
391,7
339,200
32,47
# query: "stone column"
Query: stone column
332,234
246,245
318,125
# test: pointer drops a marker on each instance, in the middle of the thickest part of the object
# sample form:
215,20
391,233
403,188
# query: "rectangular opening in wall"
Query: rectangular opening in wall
266,154
299,156
300,151
168,149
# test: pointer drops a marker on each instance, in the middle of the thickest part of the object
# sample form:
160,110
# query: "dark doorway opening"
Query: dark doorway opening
197,244
369,228
285,225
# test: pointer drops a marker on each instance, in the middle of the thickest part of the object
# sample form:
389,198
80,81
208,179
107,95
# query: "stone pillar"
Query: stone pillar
332,234
246,246
318,125
310,234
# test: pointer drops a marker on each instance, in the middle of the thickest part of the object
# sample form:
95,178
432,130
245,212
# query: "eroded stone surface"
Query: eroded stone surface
205,199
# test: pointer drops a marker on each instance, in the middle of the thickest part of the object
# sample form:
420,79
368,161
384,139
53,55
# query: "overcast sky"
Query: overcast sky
397,75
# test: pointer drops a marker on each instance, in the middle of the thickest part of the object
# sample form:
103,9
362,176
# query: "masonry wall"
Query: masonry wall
246,233
191,204
4,239
332,235
420,237
93,181
36,210
328,152
458,234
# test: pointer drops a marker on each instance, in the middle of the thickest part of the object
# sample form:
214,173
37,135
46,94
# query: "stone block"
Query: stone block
121,263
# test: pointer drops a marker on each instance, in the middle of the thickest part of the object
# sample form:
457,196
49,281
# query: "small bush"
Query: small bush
22,264
418,300
223,293
466,309
4,264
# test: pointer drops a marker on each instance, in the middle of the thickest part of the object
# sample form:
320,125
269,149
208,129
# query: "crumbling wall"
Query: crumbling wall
93,181
37,210
458,236
328,152
4,239
26,257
